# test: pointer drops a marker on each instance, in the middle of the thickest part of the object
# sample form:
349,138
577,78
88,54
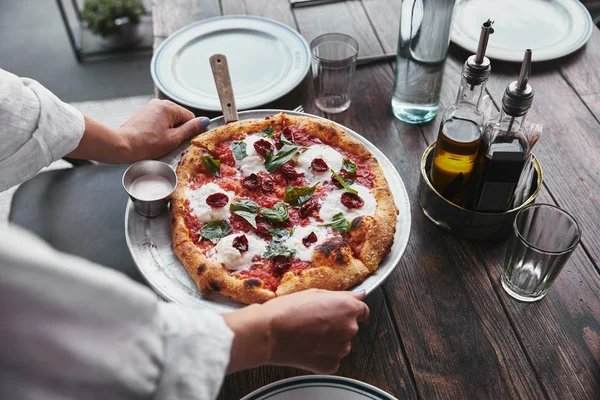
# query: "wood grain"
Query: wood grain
566,148
438,295
561,333
347,17
169,16
565,357
453,332
376,358
220,70
273,9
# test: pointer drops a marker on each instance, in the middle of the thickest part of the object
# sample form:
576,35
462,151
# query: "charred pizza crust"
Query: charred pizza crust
339,263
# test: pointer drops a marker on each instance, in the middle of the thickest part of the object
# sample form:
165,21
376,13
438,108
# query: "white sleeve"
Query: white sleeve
73,330
36,129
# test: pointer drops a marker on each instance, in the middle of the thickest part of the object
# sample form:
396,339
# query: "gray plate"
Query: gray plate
319,387
551,28
266,58
149,240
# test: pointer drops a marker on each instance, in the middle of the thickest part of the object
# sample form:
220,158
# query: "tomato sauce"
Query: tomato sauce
268,271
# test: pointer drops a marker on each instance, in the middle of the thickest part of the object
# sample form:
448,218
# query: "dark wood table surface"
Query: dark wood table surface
441,326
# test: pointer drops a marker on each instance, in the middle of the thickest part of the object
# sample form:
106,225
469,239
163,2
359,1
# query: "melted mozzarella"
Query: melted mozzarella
252,163
300,232
333,204
203,211
332,157
232,258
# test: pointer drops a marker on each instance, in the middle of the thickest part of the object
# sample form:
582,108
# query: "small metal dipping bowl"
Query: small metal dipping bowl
149,208
465,223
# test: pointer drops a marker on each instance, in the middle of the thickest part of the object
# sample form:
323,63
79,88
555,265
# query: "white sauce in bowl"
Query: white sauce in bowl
150,187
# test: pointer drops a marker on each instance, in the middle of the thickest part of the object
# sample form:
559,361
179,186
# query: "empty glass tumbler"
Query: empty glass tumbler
544,238
422,47
333,63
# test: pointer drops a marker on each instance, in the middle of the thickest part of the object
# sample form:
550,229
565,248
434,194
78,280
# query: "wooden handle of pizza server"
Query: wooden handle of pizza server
220,70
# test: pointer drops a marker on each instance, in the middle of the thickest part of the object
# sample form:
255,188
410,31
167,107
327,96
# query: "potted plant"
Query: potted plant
114,20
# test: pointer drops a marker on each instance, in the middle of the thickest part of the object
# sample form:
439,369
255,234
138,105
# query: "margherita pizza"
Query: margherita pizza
268,207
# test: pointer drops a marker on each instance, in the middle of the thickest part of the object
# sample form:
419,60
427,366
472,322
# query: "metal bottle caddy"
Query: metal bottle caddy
465,223
454,218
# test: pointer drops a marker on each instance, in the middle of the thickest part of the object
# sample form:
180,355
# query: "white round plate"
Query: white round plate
149,239
318,387
551,28
266,60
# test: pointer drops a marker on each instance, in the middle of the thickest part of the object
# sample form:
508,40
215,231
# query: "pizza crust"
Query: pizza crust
339,263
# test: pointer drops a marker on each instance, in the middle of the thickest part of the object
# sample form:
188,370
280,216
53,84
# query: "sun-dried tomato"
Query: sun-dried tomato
240,243
217,200
310,239
319,165
282,262
288,134
288,171
266,184
251,182
263,147
307,208
344,175
352,200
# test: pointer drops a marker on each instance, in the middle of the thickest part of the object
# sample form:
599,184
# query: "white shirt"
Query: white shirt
70,329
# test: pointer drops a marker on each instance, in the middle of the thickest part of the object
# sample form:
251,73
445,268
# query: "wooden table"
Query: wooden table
441,326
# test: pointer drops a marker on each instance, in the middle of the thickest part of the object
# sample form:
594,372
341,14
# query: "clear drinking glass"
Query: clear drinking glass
422,47
333,63
544,238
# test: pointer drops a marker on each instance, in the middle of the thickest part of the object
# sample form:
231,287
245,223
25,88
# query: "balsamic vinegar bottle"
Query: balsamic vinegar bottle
459,137
505,146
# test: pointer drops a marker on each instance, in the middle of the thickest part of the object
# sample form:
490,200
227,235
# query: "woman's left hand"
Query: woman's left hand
158,128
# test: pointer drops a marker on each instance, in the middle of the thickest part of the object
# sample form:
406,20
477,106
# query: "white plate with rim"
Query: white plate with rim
149,239
266,58
319,387
550,28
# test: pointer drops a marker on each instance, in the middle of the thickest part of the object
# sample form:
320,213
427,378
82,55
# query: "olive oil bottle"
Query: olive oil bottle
459,137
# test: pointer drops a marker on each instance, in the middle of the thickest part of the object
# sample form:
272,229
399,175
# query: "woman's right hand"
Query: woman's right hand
311,329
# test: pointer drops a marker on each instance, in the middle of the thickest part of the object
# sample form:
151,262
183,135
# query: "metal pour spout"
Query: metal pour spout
486,31
525,71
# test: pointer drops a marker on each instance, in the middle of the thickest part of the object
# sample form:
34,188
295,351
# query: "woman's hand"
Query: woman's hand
158,128
155,130
310,330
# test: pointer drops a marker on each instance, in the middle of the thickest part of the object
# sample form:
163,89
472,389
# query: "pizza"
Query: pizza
268,207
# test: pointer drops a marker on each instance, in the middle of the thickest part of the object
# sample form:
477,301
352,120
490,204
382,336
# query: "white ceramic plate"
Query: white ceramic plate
551,28
318,387
266,60
149,239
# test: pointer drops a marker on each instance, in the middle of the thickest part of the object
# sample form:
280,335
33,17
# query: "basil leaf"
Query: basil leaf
280,234
278,213
290,143
214,230
275,249
343,182
267,133
248,216
239,150
285,141
338,222
246,209
244,205
349,165
212,165
285,154
295,197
